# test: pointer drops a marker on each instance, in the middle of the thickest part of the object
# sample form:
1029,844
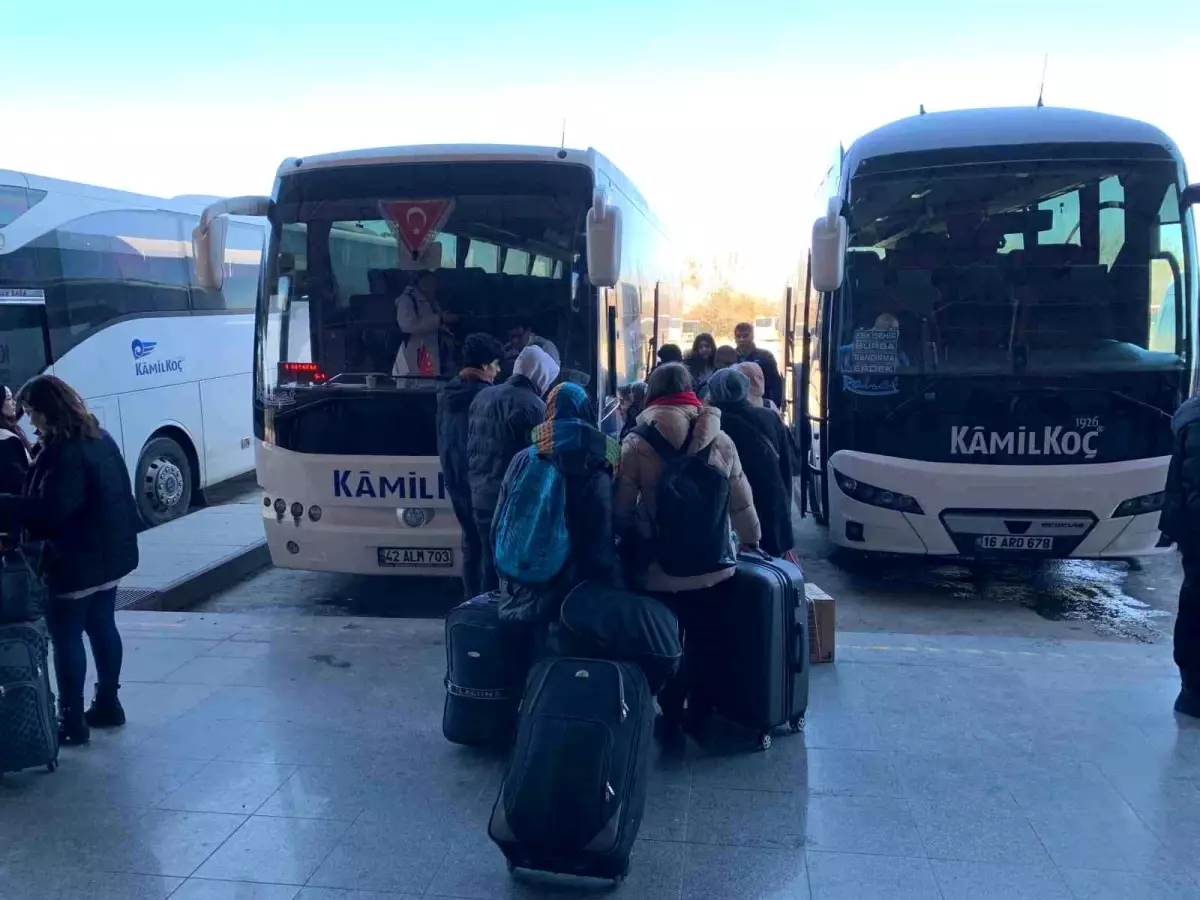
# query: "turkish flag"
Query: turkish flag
416,221
424,361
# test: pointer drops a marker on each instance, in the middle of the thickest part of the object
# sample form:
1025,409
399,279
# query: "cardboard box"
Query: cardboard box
821,625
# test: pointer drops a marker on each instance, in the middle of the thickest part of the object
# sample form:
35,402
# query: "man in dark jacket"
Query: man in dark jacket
502,419
1180,521
481,361
743,335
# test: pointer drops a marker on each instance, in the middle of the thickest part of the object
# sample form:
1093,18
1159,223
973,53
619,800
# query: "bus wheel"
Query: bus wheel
163,485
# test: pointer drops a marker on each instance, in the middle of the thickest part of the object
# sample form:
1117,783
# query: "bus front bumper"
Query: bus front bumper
365,542
997,511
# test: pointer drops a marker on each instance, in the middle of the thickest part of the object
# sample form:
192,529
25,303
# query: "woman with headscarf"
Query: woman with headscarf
702,361
767,453
14,446
758,385
587,459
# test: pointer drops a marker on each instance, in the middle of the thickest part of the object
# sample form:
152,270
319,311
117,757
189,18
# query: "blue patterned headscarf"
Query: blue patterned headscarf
567,428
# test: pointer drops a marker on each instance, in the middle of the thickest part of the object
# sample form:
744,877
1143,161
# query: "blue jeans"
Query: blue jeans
67,621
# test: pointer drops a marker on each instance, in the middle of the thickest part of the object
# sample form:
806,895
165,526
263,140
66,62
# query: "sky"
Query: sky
725,115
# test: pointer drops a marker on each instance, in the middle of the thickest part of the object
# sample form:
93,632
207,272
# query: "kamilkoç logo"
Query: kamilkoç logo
142,349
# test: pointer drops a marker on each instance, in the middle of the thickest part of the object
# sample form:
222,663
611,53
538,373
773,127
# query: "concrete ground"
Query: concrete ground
285,757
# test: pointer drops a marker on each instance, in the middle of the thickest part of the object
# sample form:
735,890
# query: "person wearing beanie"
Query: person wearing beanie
500,425
481,363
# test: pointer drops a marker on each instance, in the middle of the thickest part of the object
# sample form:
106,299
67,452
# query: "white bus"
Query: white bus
98,287
347,453
990,371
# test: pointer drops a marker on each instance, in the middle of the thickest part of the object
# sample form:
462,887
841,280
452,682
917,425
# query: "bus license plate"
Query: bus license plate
423,557
1013,542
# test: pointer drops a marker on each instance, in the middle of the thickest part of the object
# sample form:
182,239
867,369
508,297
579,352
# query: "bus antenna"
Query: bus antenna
1042,86
562,147
922,109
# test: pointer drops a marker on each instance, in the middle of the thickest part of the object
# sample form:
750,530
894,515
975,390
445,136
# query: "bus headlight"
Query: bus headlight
416,516
873,496
1147,503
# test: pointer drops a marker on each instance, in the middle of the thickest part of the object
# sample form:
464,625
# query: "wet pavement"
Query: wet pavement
286,757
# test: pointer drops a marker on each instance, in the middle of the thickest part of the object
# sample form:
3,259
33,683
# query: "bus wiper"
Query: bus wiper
1112,392
918,394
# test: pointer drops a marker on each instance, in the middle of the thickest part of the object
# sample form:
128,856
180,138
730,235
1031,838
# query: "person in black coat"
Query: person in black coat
1180,521
481,360
748,351
14,446
768,454
78,500
501,423
587,459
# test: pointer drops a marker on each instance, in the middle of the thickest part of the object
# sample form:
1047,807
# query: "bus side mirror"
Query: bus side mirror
1190,197
208,238
603,243
829,239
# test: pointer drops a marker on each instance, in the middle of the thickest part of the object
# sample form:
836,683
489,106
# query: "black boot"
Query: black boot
72,727
1188,701
106,710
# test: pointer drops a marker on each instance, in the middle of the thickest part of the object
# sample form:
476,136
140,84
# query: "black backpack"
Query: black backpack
692,508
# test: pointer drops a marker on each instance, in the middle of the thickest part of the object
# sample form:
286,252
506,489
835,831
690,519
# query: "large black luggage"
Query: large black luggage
575,790
599,620
486,664
28,732
756,654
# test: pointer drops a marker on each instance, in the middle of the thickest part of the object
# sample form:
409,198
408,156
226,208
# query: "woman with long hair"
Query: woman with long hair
78,499
702,361
14,446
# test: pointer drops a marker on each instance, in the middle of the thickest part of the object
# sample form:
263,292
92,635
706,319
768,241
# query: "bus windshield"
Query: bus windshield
345,307
1013,268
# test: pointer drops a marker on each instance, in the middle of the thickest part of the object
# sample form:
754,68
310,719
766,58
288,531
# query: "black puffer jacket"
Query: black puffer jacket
770,460
1180,518
502,419
78,499
453,417
589,482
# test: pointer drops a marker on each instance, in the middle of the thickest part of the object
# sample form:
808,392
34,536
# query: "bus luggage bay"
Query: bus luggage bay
1002,319
479,238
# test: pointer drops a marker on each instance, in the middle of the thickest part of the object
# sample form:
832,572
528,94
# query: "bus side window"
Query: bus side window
116,264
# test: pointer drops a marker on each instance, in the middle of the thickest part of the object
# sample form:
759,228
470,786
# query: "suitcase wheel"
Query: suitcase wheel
764,741
797,724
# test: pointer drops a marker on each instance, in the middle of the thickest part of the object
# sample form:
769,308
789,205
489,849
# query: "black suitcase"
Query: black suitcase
575,789
601,621
756,654
28,731
486,665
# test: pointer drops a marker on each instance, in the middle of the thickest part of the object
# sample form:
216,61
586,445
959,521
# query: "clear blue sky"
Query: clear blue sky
723,113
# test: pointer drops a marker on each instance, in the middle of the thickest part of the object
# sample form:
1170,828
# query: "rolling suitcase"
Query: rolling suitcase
486,664
28,730
756,664
575,789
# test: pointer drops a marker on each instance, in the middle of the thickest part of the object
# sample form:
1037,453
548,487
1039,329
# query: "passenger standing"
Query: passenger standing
757,396
522,336
701,362
586,458
669,353
501,423
743,335
481,361
423,323
633,402
78,499
14,447
677,416
767,454
1180,521
725,356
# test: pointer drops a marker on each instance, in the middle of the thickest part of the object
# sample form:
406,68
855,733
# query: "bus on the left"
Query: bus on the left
99,288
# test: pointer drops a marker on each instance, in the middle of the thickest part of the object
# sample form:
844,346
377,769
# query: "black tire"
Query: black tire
162,482
814,504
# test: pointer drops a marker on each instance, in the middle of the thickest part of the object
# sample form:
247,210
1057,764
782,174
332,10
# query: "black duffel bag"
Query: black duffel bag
23,592
601,621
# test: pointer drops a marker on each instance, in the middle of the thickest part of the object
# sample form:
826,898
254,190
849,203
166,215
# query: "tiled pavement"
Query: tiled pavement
301,759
